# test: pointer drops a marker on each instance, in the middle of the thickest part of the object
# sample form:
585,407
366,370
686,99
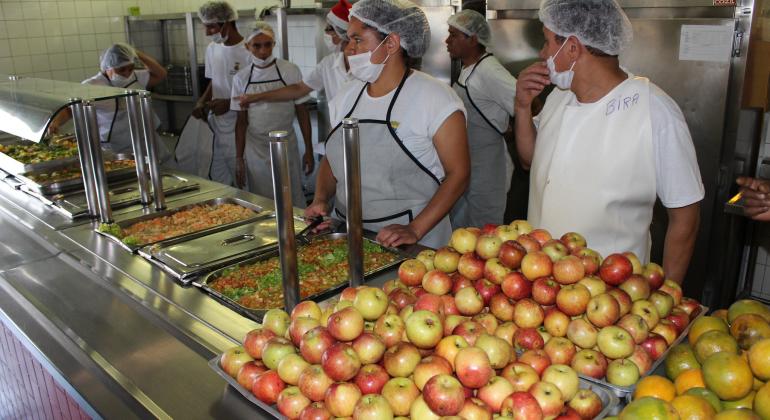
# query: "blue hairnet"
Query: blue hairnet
471,22
116,56
400,16
600,24
217,12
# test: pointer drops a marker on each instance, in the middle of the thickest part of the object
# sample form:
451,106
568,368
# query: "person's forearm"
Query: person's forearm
286,93
303,118
157,71
441,203
679,244
241,125
206,96
325,184
525,135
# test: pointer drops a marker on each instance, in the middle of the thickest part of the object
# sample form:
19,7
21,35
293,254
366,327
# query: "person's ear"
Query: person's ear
393,43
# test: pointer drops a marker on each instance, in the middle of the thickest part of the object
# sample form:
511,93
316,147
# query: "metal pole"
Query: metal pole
287,245
192,54
283,31
351,155
81,135
134,121
151,146
94,149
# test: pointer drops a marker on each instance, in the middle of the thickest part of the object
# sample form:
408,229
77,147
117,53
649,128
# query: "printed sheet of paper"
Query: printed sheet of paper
706,43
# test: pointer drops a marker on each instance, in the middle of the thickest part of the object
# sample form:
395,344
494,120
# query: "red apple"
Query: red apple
541,236
603,310
511,254
506,331
486,289
502,307
444,395
555,249
346,324
637,287
516,286
255,340
647,311
529,243
340,362
267,387
494,393
544,291
679,318
314,343
624,301
536,264
411,272
393,284
488,246
560,350
276,349
371,378
248,373
390,328
463,240
400,394
430,302
635,263
521,376
591,259
615,342
424,329
472,367
564,377
536,359
667,330
471,266
299,326
348,294
691,306
341,398
528,314
459,282
521,406
469,301
427,256
573,240
232,360
369,348
290,367
641,359
470,331
401,359
528,339
277,321
437,282
448,347
452,321
591,363
449,305
586,403
315,411
429,367
663,302
573,299
548,397
446,260
595,285
655,346
581,332
401,297
556,323
506,232
372,407
495,271
498,351
291,402
615,269
636,326
654,275
568,270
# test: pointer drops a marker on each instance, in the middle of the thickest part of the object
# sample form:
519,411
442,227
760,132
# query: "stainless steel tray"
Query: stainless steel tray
624,392
186,258
609,400
256,314
72,184
260,213
14,166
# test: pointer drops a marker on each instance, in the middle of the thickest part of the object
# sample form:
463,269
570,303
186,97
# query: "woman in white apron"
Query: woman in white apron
414,156
255,122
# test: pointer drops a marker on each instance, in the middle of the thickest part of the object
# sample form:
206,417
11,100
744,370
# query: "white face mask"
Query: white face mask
329,42
563,79
120,81
217,38
260,62
362,68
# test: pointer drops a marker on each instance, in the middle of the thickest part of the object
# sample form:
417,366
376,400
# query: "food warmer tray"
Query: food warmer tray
14,166
609,400
186,258
257,314
260,214
74,184
624,393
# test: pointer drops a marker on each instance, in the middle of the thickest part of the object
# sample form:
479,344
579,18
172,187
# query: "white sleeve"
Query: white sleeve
443,102
208,60
239,85
678,181
143,78
292,76
500,86
314,80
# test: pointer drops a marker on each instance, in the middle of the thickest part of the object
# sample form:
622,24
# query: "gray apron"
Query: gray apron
484,200
395,186
265,117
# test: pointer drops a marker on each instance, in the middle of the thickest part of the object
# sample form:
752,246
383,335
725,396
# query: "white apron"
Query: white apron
593,169
222,167
265,117
117,137
193,152
395,186
491,166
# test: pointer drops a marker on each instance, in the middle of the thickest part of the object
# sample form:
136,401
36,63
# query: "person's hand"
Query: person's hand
219,106
200,111
308,162
756,198
247,99
240,172
395,235
530,83
318,208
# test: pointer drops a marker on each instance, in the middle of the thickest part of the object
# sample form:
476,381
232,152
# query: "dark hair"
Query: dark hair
594,51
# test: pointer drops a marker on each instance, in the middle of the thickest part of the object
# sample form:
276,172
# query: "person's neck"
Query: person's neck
472,58
234,38
389,78
596,79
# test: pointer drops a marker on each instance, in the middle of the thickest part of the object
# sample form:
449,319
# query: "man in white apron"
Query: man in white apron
487,91
414,153
606,143
256,121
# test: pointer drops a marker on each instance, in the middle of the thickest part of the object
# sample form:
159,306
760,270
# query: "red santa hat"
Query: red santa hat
338,15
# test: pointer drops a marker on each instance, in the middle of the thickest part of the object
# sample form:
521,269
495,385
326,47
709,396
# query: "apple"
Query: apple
459,282
691,306
472,367
341,398
291,402
277,321
290,367
521,406
573,241
424,329
637,267
248,373
276,349
667,330
495,271
494,393
548,397
448,347
452,321
400,393
444,395
528,339
564,377
528,314
655,346
488,246
663,303
393,284
521,226
622,372
369,347
420,410
641,359
486,320
401,297
401,359
615,269
516,286
390,328
679,318
521,376
306,309
429,367
654,275
371,378
299,326
327,312
469,301
636,326
267,387
314,343
315,411
463,240
624,301
502,307
573,299
411,272
372,407
511,254
471,266
556,323
450,307
475,409
346,324
470,331
446,259
537,359
536,264
529,243
371,302
543,333
255,339
544,291
591,259
340,362
506,331
637,287
673,289
555,249
506,233
541,236
590,363
595,285
560,350
647,311
586,403
498,351
603,310
615,342
426,256
430,302
568,270
437,282
486,289
581,332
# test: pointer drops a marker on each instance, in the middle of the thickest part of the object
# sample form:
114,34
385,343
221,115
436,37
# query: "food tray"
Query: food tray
14,166
624,392
256,314
73,184
261,213
187,258
609,400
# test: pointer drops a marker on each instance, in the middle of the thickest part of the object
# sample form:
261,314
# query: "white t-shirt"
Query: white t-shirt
492,89
329,75
105,110
421,108
290,74
678,179
222,63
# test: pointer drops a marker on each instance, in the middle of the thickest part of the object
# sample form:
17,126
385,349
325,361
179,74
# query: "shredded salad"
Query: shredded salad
73,172
29,152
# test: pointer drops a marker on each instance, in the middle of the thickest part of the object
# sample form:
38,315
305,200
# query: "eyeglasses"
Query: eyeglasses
329,30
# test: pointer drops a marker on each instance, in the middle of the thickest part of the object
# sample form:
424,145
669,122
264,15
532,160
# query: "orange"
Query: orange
759,359
705,324
691,378
691,407
649,408
655,386
728,375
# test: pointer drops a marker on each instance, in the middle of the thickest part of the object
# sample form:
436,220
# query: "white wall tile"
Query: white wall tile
52,27
71,43
85,25
83,9
40,63
118,8
37,46
3,32
42,74
16,29
99,8
35,28
6,66
57,61
19,47
67,9
55,44
13,10
69,26
31,9
88,42
22,65
74,61
101,25
49,9
60,75
5,48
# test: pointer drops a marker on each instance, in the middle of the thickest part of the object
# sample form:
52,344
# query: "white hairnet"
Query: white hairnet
116,56
600,24
400,16
342,33
261,27
217,12
471,22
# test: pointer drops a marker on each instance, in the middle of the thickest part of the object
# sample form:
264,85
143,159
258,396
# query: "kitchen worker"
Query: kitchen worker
329,75
256,121
225,56
414,150
755,197
606,142
487,90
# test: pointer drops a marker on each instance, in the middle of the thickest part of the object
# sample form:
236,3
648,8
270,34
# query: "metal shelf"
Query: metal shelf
173,98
